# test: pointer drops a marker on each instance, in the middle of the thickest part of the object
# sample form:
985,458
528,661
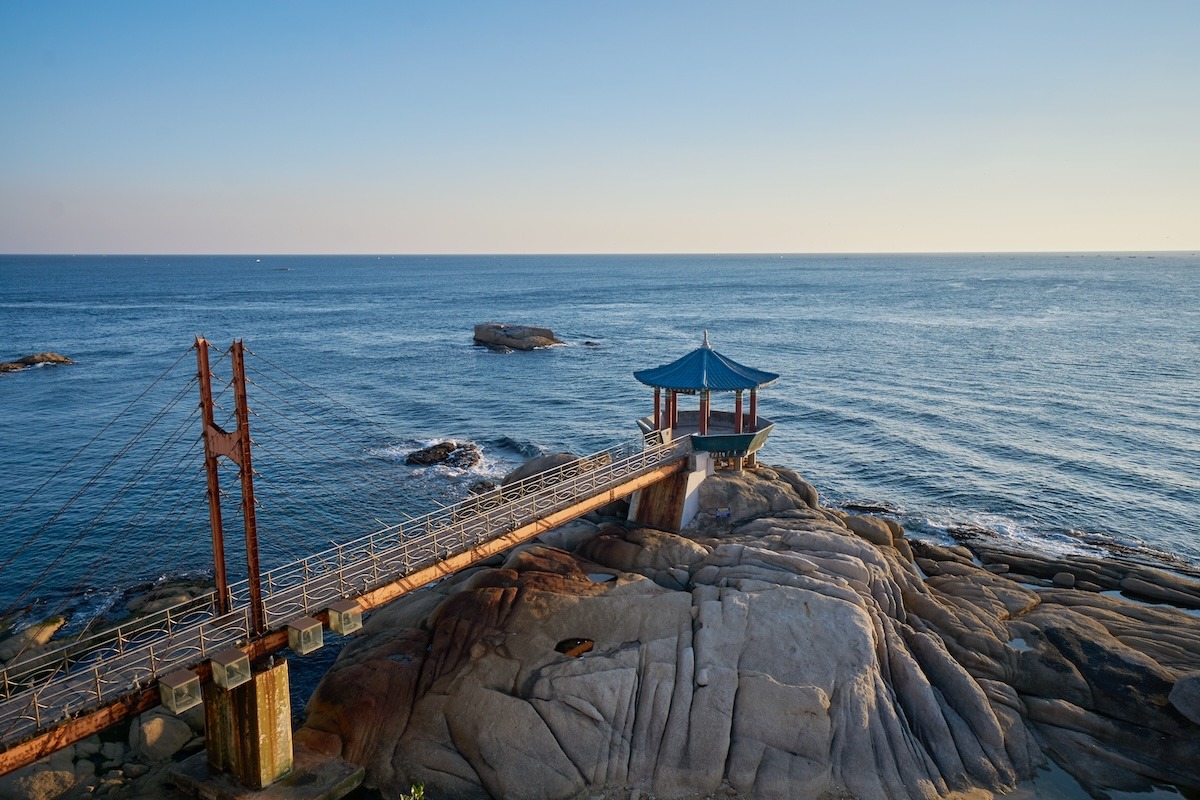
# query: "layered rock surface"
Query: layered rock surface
787,651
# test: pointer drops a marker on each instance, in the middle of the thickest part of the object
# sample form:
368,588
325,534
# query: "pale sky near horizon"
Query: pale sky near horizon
629,127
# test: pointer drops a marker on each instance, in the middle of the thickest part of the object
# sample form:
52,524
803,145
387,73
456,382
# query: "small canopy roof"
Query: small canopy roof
704,369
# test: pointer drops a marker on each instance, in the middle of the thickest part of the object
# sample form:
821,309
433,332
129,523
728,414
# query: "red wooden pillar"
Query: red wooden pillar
737,412
673,404
703,413
754,409
657,409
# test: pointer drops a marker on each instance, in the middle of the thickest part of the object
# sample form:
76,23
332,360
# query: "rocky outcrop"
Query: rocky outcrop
786,651
1139,581
460,455
499,336
33,360
774,650
1091,675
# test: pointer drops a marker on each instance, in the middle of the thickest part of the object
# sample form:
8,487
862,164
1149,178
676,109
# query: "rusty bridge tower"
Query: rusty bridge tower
247,710
234,445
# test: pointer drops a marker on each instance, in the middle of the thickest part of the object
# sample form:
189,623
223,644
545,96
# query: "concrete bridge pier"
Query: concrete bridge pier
248,728
249,754
671,503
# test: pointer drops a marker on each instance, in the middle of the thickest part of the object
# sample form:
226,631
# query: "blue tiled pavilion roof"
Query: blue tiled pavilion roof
704,369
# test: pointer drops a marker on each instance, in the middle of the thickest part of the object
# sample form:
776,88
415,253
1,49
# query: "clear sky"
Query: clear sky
643,126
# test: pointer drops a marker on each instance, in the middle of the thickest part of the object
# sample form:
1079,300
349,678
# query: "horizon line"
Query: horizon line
681,253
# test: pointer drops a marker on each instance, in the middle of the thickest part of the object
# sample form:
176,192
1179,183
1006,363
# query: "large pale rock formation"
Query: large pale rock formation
1091,674
784,651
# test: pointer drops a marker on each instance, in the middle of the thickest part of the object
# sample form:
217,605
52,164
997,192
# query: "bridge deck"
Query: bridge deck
70,692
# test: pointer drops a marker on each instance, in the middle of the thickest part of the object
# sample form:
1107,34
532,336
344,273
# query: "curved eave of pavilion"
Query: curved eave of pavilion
705,370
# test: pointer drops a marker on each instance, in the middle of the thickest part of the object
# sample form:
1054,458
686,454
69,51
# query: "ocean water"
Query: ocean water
1049,400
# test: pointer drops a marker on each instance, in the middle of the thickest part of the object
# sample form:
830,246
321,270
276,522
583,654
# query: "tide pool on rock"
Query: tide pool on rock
783,651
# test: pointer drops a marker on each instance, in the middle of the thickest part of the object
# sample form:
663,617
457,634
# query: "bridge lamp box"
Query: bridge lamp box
230,668
180,690
305,635
345,617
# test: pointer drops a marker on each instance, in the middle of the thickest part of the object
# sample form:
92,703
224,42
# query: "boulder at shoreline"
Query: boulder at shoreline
33,360
783,651
499,336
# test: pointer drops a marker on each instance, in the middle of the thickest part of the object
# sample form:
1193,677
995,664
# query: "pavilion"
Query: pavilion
730,438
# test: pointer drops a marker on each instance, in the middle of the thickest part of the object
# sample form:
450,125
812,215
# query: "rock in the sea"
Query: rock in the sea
36,358
461,455
514,337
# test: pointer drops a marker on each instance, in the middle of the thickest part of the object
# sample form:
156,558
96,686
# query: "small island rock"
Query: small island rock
36,358
499,336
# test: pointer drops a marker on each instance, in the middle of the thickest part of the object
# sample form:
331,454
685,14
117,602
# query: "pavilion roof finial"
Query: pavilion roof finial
706,345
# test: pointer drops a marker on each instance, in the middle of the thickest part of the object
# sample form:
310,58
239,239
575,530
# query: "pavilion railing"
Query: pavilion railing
40,691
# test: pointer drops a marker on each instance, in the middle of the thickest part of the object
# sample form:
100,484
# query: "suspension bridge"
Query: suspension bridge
200,651
65,691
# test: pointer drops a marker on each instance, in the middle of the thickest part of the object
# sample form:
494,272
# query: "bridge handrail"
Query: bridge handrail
447,532
172,638
483,501
412,531
138,661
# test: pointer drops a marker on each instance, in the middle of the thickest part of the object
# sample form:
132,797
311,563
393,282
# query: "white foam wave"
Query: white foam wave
953,526
95,604
493,463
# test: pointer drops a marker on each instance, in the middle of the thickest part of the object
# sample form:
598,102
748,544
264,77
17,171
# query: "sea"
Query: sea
1046,402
